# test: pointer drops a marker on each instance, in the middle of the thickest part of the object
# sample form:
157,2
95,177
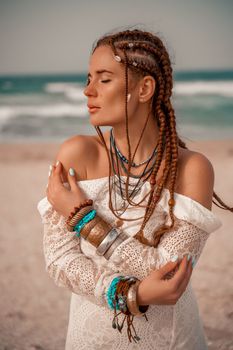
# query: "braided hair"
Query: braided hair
143,53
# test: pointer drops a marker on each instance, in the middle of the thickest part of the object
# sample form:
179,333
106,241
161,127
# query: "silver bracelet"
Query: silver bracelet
107,241
121,238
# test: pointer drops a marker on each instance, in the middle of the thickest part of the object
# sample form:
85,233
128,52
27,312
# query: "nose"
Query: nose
89,90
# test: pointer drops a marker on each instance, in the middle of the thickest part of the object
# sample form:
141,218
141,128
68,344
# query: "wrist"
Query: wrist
141,300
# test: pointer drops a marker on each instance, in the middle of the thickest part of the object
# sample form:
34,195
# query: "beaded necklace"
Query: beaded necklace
124,159
118,184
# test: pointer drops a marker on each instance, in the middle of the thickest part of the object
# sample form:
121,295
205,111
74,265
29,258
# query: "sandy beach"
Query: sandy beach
34,312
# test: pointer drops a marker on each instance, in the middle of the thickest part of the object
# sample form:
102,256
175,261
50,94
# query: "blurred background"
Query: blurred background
44,54
45,48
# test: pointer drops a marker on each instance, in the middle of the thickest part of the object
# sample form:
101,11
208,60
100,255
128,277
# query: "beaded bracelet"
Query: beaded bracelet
78,216
88,217
117,299
70,221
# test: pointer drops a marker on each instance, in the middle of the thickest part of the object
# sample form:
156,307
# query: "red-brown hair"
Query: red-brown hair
143,53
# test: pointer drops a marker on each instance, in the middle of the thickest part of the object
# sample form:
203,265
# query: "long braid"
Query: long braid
146,56
161,118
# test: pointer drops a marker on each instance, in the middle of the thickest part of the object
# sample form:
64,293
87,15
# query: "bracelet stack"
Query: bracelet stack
122,292
121,295
87,224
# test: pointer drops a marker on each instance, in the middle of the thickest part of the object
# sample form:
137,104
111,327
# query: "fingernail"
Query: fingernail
49,172
57,163
50,167
71,171
188,257
193,261
174,258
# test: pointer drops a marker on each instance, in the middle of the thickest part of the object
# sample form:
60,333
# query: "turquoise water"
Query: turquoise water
52,108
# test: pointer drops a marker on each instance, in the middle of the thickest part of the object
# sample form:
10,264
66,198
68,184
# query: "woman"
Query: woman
146,188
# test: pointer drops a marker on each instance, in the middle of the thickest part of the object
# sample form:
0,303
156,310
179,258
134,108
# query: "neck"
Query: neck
148,141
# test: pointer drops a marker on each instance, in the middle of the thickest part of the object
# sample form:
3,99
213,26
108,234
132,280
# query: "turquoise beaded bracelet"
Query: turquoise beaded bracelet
88,217
112,291
110,294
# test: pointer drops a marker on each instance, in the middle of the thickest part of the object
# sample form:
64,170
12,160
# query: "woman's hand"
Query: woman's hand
157,289
64,199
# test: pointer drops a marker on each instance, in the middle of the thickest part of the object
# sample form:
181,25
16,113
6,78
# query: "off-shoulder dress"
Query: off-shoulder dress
73,263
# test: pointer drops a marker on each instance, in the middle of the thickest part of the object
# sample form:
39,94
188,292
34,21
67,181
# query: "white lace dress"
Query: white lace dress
72,263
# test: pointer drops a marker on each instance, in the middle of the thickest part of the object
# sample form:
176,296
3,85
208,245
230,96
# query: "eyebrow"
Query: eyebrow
101,71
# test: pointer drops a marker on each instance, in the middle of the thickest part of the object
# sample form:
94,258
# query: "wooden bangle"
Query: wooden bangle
89,226
98,232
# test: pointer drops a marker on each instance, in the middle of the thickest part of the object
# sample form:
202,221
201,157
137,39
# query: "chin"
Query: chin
98,122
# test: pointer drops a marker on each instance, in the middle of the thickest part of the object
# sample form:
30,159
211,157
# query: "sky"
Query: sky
54,36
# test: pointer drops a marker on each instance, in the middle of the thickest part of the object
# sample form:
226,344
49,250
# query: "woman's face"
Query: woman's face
106,89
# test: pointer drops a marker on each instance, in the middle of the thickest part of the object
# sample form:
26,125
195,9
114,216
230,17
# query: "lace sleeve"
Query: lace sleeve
65,262
193,224
139,260
71,268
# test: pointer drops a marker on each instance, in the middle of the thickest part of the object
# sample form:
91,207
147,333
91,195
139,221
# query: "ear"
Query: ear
147,88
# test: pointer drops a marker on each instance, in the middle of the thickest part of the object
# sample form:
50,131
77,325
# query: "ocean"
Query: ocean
51,108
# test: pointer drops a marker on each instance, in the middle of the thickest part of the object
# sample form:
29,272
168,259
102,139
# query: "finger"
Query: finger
169,267
186,279
55,179
50,170
179,275
72,178
57,174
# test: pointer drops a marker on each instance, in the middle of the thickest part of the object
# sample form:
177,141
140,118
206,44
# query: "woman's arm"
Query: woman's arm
66,264
70,268
194,222
131,257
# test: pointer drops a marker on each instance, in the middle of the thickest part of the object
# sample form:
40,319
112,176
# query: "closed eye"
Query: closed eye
102,81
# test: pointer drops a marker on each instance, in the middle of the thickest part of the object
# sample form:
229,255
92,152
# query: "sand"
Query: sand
34,311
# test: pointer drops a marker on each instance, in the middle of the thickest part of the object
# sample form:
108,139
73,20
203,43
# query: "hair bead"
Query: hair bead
117,58
171,202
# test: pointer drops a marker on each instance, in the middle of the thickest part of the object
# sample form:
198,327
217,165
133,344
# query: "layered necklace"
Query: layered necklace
119,184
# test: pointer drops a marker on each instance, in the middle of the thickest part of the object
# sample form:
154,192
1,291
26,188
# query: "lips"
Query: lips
92,106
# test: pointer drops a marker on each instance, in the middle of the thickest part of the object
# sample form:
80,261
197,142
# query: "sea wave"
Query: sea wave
222,88
73,91
56,111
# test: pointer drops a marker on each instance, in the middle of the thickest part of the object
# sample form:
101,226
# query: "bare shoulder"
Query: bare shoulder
196,177
76,152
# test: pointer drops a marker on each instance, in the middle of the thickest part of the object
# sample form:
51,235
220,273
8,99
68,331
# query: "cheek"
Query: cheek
114,99
115,94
